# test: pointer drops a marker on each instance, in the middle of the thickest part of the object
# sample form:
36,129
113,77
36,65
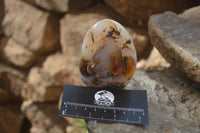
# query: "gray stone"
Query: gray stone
44,117
178,41
173,104
41,87
17,54
62,5
29,26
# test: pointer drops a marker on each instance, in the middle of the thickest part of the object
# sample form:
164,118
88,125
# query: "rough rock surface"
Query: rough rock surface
44,117
64,68
142,9
16,54
11,118
41,87
40,32
178,41
62,5
173,104
75,26
11,83
192,14
154,61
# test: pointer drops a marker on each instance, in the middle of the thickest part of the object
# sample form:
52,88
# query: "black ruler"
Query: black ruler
108,105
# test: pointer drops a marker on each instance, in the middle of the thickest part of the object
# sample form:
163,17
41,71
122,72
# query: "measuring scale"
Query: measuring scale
108,105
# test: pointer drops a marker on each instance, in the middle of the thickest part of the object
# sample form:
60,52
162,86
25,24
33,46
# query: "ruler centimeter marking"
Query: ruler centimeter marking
103,107
95,107
109,105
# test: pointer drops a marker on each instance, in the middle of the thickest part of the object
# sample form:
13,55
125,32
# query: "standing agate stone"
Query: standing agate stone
108,56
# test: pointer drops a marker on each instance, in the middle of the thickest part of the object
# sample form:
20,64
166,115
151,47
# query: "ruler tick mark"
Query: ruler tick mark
114,117
90,115
139,119
63,112
114,110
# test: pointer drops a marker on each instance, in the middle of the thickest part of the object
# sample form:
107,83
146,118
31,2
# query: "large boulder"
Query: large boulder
16,53
41,87
178,41
173,104
63,68
62,5
44,117
30,27
142,9
73,28
11,83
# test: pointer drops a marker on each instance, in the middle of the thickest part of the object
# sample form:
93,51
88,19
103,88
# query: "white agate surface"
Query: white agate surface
108,55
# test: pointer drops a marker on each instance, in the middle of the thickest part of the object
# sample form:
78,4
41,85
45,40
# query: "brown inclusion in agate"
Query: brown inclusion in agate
108,56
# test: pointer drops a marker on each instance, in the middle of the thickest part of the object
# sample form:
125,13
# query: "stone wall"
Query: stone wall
40,42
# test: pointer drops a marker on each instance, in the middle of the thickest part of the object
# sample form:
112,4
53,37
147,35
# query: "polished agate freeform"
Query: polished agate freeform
108,55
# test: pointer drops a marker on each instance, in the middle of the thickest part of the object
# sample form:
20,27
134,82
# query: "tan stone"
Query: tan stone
73,28
63,68
11,82
16,54
178,41
33,28
44,117
155,61
61,5
192,14
41,87
173,104
19,74
142,9
11,118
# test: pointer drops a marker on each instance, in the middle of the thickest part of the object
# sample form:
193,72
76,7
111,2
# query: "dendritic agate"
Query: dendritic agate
108,55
